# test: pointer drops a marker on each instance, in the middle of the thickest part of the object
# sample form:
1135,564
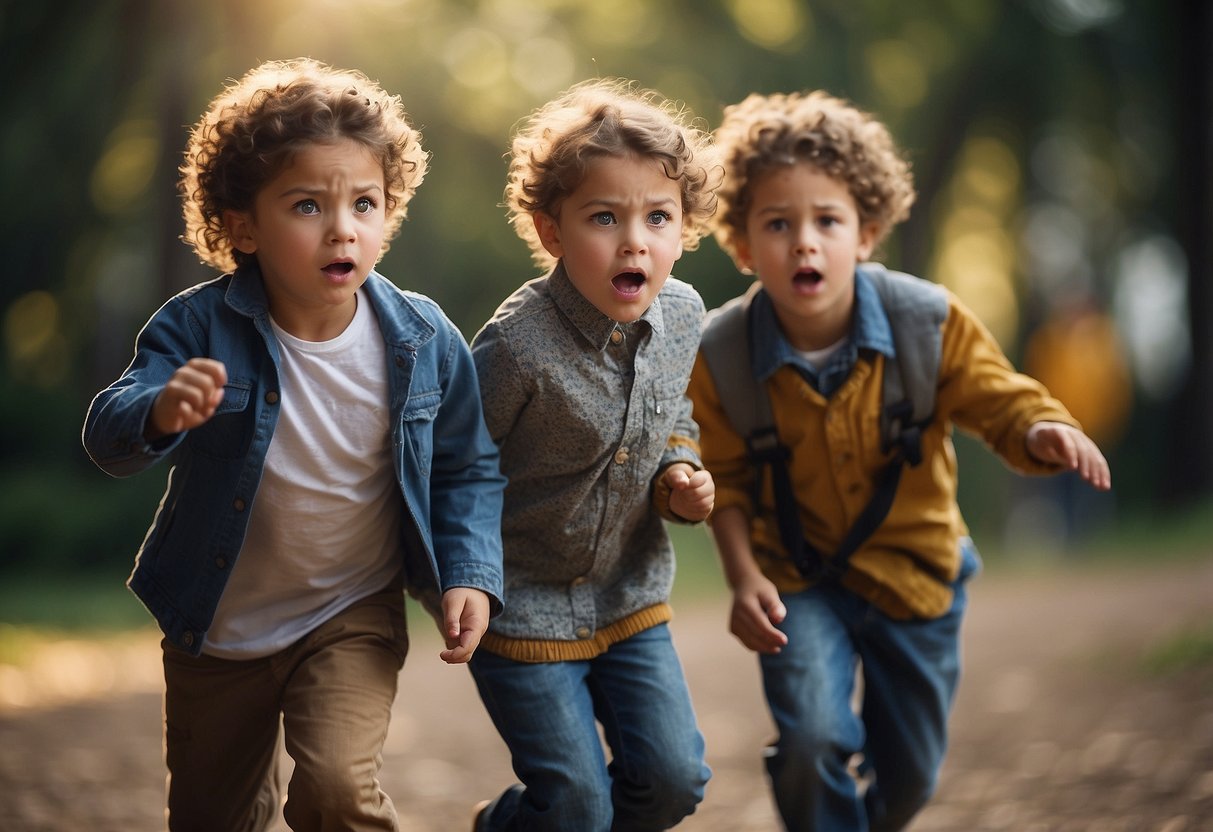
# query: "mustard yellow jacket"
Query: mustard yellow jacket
905,567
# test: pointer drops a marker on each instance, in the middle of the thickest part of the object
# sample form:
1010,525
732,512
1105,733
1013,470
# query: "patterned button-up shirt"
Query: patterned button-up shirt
587,412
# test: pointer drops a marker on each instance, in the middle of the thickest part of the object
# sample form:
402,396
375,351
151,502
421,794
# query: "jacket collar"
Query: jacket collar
399,319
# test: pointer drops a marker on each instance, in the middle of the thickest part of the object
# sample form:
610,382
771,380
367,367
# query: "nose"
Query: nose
343,229
807,241
634,239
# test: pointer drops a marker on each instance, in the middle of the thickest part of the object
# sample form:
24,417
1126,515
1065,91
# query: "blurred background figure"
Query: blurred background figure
1077,353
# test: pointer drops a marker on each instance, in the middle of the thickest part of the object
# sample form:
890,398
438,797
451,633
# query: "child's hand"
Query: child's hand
756,611
189,399
465,615
692,493
1065,445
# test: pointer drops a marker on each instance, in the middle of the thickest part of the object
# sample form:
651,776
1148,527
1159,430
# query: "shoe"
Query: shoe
483,810
480,816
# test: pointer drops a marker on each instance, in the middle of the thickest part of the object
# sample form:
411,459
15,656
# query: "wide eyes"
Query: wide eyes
655,218
309,207
779,224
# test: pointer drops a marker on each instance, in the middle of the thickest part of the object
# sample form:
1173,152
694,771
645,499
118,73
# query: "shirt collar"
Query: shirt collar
770,350
594,326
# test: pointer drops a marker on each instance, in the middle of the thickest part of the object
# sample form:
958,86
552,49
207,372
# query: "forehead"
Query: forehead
626,179
799,183
331,160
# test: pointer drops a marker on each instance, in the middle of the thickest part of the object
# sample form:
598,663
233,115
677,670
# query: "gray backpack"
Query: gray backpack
916,309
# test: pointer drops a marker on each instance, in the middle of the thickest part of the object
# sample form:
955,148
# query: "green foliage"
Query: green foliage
60,520
1191,650
94,141
92,604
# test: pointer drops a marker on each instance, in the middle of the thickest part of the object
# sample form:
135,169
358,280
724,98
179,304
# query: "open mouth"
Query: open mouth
807,279
338,269
628,283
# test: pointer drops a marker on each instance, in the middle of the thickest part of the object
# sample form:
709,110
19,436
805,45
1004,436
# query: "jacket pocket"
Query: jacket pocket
227,434
417,420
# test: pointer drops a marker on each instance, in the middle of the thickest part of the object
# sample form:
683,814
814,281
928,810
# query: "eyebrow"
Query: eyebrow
305,190
611,203
783,208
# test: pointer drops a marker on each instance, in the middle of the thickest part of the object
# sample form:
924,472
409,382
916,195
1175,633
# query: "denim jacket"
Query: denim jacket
445,462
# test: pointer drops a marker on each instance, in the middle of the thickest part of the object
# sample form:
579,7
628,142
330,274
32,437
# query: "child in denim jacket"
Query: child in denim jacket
327,447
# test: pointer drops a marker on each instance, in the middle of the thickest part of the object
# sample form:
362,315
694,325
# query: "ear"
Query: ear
548,230
868,234
741,255
239,225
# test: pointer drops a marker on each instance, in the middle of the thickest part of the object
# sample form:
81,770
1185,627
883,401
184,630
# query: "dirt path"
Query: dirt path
1056,727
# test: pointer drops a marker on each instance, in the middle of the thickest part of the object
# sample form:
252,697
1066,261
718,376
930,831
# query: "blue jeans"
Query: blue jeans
547,715
910,670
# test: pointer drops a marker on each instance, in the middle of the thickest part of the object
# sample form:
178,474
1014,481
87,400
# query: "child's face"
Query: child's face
619,234
803,239
317,231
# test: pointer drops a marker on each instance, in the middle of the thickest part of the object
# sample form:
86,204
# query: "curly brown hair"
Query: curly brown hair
552,150
766,132
252,129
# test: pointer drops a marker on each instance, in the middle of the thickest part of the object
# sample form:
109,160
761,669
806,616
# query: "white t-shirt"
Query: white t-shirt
324,530
818,358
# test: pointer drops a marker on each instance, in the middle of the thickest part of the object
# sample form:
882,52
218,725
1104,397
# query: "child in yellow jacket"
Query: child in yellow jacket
812,185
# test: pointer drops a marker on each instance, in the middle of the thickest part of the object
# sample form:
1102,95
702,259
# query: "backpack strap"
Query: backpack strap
725,344
916,310
726,349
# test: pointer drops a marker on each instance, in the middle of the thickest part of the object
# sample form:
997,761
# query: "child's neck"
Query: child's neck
813,335
315,326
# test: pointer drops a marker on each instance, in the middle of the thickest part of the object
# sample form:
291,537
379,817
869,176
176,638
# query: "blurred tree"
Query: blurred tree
1055,143
1189,459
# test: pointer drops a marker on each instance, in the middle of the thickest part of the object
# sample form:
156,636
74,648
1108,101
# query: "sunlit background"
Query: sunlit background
1060,147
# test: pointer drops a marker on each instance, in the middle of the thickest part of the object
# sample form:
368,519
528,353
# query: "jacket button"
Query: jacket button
583,632
271,397
621,456
187,638
400,361
221,563
616,336
238,504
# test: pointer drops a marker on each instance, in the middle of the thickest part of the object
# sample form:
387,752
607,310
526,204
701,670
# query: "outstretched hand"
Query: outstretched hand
465,617
692,493
1060,444
189,399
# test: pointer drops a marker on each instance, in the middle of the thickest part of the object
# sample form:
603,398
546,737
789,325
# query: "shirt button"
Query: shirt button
221,563
271,397
616,336
238,504
579,580
621,456
583,632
